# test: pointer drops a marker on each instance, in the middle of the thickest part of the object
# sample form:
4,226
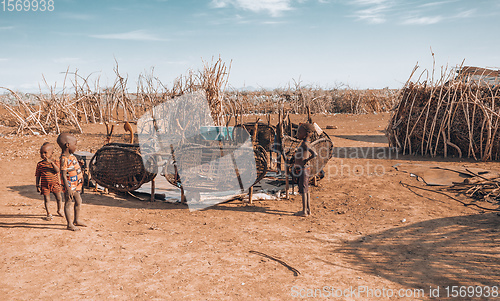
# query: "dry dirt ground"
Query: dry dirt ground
368,235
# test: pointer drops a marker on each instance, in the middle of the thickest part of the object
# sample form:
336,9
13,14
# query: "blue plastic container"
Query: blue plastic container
217,133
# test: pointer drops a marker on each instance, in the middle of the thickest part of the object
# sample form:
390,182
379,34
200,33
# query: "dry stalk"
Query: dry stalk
431,116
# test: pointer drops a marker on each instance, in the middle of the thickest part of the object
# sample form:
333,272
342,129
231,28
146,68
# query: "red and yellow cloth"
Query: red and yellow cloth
74,173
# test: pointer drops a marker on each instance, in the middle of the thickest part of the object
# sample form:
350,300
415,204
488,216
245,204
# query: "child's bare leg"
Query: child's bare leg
67,212
59,203
303,212
304,203
46,200
78,204
308,204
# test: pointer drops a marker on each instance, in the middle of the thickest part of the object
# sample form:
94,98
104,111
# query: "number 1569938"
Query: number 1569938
27,5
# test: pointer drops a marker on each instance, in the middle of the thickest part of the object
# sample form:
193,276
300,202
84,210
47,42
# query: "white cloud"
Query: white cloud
219,3
408,12
374,15
274,7
369,2
136,35
465,14
375,11
423,20
438,3
418,19
273,22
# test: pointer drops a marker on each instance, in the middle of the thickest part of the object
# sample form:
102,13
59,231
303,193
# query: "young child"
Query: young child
72,179
301,169
47,178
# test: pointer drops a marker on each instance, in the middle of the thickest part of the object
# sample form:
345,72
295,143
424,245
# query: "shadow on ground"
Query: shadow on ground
94,198
388,153
365,138
36,222
141,201
462,250
230,206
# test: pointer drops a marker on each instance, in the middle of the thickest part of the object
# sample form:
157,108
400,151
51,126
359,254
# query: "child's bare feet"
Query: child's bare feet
60,214
79,224
72,228
48,217
300,213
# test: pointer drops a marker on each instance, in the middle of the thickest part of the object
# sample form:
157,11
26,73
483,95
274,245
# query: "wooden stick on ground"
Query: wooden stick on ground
294,270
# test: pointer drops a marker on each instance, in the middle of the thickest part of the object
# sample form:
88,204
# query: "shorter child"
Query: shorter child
72,178
47,178
301,169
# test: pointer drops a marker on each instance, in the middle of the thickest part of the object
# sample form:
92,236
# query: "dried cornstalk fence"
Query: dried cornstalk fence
87,102
23,113
213,79
449,117
298,98
82,100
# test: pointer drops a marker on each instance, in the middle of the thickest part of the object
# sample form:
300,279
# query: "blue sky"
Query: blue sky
271,43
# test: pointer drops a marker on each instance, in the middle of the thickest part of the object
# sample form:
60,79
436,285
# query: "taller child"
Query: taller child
72,179
303,154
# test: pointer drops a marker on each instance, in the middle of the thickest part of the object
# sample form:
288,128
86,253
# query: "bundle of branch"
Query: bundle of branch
450,117
25,115
342,99
253,102
150,92
120,96
479,188
60,109
89,102
213,79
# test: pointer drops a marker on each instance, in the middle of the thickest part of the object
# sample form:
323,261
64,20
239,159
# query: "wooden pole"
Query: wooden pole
287,182
270,149
153,190
279,136
254,139
250,193
290,125
183,196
